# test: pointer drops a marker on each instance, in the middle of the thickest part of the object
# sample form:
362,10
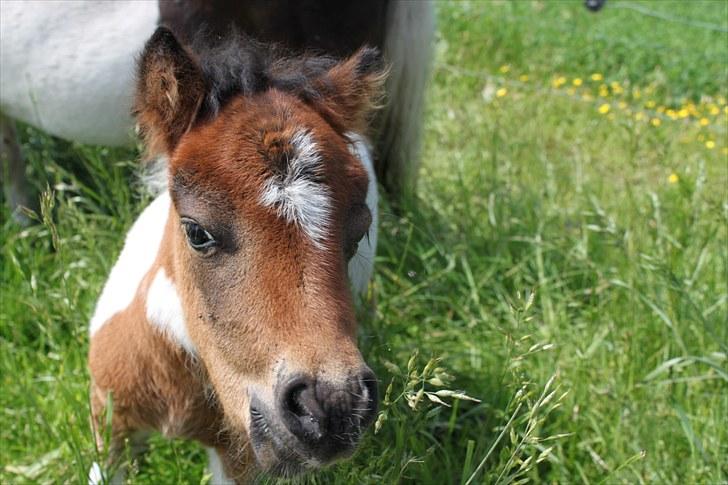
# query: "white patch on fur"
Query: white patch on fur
140,250
164,310
361,265
297,196
214,466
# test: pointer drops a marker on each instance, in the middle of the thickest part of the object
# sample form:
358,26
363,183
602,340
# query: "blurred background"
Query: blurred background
564,263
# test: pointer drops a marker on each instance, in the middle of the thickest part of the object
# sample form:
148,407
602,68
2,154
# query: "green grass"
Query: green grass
568,267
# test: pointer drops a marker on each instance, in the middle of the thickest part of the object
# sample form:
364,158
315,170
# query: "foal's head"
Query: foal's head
268,207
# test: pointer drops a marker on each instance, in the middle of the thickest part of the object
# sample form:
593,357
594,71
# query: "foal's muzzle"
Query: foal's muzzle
314,421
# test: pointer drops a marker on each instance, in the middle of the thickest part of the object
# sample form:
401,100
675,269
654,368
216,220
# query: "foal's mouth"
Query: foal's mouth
276,451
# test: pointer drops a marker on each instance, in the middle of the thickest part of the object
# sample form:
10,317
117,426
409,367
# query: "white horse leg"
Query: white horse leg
409,38
12,176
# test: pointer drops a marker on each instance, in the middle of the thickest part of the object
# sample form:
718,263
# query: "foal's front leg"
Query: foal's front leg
137,446
216,467
122,437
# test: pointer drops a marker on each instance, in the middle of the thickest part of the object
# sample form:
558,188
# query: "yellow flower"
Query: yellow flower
636,94
577,81
710,144
505,68
714,110
603,91
558,82
683,113
721,100
650,104
616,87
604,109
501,92
523,78
622,105
704,121
671,113
639,116
656,121
673,178
596,77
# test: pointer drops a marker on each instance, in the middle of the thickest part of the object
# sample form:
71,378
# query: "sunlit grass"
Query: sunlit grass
564,263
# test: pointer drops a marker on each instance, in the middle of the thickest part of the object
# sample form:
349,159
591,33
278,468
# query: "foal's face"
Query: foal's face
271,205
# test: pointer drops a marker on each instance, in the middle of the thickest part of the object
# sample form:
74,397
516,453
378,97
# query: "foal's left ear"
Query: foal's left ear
170,90
353,89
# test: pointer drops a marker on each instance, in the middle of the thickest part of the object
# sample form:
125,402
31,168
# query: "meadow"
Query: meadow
551,303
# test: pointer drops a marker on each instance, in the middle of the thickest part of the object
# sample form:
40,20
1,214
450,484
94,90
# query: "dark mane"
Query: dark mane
240,65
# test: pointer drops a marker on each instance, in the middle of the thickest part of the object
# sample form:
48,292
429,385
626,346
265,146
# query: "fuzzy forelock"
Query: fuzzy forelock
298,193
243,66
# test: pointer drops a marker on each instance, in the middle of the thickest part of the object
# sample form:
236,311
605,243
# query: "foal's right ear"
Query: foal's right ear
170,89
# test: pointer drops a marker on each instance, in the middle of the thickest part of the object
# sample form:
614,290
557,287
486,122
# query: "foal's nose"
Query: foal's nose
329,418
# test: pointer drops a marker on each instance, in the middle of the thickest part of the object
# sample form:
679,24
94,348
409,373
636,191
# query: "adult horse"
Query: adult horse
67,67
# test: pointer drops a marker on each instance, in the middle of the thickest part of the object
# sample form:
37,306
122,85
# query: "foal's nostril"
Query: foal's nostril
301,410
293,398
329,418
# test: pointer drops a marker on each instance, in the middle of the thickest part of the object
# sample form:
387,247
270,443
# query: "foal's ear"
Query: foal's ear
352,90
170,89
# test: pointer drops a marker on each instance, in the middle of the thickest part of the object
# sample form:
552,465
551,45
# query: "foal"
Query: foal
228,317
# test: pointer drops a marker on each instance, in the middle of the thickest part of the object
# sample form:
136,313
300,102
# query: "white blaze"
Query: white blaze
297,195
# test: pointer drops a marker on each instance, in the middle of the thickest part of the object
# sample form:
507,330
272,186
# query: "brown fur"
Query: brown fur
352,91
170,89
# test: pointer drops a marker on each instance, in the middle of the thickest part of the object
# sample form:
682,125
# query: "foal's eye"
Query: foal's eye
198,237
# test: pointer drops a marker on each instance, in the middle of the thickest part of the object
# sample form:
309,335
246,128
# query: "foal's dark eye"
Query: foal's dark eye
198,237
